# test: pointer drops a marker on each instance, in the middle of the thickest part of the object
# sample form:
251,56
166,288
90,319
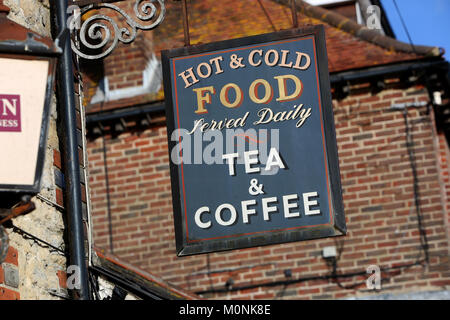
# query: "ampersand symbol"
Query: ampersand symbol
255,188
236,62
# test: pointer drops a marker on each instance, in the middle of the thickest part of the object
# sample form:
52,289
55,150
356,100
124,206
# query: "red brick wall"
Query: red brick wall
120,73
444,173
378,197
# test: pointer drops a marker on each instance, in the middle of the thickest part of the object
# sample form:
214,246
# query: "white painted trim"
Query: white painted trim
151,83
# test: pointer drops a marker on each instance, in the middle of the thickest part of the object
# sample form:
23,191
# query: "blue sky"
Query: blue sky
428,21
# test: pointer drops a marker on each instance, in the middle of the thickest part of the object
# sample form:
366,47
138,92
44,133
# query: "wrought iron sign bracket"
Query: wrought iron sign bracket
102,33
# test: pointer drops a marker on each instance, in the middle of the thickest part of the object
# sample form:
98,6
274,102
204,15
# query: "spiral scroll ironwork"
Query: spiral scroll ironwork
106,31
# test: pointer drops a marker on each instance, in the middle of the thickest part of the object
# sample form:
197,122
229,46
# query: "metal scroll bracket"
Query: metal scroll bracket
101,32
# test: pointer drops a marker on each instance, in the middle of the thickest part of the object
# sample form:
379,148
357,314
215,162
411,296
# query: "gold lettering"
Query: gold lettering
282,88
202,99
225,99
253,91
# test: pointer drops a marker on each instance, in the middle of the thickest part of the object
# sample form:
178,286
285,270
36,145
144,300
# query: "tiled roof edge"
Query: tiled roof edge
154,282
343,23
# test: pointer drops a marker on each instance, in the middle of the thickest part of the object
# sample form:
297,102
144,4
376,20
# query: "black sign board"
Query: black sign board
252,142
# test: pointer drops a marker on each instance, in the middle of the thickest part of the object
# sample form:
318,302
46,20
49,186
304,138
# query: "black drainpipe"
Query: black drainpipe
66,99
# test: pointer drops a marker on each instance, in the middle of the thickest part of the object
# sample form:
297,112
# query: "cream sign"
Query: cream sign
23,84
27,71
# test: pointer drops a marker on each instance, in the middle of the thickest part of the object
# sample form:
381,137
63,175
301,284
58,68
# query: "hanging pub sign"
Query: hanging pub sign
252,142
27,72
